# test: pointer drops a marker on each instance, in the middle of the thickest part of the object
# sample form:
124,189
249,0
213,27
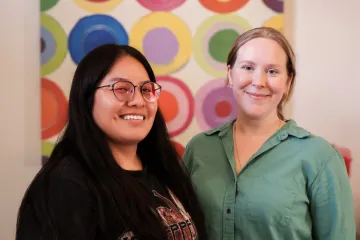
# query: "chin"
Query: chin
255,113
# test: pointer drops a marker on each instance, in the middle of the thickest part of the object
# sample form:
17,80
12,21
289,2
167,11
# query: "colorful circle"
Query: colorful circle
176,103
47,4
47,148
161,5
93,31
276,22
97,6
215,104
153,42
223,6
53,109
180,149
53,44
275,5
164,39
214,39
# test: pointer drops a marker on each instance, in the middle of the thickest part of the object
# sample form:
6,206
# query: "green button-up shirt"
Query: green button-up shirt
294,187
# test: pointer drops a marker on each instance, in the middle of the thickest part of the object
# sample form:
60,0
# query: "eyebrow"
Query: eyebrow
116,79
253,63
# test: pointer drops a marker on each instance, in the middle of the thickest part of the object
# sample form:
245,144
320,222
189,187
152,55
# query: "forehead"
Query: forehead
128,68
262,50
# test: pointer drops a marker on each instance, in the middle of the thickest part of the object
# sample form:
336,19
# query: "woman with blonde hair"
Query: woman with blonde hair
261,176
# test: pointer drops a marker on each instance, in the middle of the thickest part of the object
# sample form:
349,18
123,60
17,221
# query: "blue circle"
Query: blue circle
50,45
93,31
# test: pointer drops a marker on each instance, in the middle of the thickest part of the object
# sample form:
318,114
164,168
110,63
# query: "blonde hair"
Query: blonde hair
273,34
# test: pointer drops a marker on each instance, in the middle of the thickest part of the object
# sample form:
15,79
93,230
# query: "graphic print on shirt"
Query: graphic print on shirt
127,235
177,221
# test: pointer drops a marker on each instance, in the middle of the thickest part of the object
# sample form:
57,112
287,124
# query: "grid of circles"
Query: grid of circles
211,104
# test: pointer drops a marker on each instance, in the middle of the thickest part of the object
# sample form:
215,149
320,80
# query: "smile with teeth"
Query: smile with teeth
132,117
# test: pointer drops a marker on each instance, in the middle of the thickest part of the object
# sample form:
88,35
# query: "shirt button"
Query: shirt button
228,210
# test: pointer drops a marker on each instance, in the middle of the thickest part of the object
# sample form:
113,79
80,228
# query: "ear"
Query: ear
288,83
229,79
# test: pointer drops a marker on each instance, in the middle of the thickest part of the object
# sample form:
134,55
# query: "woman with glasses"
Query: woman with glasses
114,173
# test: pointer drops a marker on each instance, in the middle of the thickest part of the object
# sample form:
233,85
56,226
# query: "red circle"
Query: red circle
53,109
169,105
223,109
179,148
221,6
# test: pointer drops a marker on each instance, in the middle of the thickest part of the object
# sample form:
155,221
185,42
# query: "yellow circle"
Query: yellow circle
276,22
176,26
97,7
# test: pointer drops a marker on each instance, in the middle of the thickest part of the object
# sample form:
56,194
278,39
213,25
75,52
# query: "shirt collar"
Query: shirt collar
290,128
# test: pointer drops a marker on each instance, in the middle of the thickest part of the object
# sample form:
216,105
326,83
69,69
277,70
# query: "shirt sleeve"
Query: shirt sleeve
331,202
70,212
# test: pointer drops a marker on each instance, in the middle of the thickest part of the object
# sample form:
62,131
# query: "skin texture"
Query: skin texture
259,78
108,109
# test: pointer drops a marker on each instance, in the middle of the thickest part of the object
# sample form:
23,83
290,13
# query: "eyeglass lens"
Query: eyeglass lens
124,91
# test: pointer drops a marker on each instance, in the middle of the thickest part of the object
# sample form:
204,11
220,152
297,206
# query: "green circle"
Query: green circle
47,148
201,41
47,4
220,44
60,37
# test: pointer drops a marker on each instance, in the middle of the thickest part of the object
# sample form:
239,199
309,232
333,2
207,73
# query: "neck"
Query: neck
126,157
258,127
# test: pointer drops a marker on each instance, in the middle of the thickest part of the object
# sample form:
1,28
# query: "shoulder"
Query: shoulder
314,148
69,169
68,175
205,143
203,139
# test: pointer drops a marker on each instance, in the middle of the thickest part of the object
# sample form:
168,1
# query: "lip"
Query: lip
258,95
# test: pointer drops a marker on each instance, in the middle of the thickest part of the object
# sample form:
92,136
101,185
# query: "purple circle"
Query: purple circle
44,159
209,104
160,45
276,5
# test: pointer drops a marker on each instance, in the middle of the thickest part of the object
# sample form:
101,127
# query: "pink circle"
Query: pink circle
161,5
186,107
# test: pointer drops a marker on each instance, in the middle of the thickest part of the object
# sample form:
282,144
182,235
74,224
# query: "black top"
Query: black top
74,209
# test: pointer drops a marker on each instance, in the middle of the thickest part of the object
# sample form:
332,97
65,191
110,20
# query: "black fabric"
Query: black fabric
74,212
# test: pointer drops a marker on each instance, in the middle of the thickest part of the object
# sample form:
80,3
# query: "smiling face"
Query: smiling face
259,77
124,122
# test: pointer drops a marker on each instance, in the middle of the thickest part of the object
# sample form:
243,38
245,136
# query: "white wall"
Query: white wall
325,37
19,105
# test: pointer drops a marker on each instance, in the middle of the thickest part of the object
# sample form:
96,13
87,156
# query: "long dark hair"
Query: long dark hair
119,196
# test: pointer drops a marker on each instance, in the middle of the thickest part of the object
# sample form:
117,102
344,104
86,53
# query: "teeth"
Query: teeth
131,117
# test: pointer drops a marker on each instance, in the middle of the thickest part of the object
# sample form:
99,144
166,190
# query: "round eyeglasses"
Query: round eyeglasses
124,90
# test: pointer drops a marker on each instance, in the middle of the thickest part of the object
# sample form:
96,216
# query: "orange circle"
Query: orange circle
53,109
169,106
223,109
179,148
221,6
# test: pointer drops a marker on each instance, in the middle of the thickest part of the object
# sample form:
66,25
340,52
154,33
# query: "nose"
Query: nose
259,79
137,99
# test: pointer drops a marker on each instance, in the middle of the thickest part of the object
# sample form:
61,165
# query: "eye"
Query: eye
123,90
272,71
247,67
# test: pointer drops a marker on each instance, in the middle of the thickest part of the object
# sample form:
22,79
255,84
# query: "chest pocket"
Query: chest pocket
269,203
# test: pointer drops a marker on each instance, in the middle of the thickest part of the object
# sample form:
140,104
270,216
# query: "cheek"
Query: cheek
152,109
240,79
105,110
277,85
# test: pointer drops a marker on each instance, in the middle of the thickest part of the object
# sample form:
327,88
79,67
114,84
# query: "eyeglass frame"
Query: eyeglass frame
112,87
